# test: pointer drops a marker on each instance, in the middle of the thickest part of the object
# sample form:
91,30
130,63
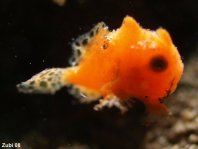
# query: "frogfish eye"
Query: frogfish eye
158,63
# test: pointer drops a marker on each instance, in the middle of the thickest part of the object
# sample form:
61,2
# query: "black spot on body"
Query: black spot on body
57,75
77,44
32,82
43,84
42,75
91,34
54,84
85,41
158,63
97,30
78,52
49,79
30,87
72,60
51,73
105,45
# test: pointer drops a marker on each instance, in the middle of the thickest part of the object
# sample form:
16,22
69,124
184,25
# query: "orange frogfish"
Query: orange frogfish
116,66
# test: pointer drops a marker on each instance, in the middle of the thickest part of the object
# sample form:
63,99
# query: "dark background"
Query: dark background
36,34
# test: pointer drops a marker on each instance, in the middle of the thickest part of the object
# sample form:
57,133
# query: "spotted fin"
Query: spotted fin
47,81
80,44
110,101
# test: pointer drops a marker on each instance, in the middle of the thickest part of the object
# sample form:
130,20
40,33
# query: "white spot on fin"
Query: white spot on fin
79,45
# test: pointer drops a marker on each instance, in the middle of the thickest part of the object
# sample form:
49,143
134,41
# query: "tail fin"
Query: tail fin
47,82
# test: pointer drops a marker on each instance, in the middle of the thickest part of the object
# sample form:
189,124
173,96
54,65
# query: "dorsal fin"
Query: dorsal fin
80,44
130,26
165,36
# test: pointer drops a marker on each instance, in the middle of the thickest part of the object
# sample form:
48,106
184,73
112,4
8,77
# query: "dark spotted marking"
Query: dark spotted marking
85,41
53,84
73,61
82,41
77,43
56,74
58,83
78,52
21,86
105,45
145,96
42,75
158,63
51,73
49,79
46,72
30,87
32,82
97,30
91,34
43,84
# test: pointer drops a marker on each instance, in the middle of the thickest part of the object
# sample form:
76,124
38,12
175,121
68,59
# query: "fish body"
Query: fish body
117,66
